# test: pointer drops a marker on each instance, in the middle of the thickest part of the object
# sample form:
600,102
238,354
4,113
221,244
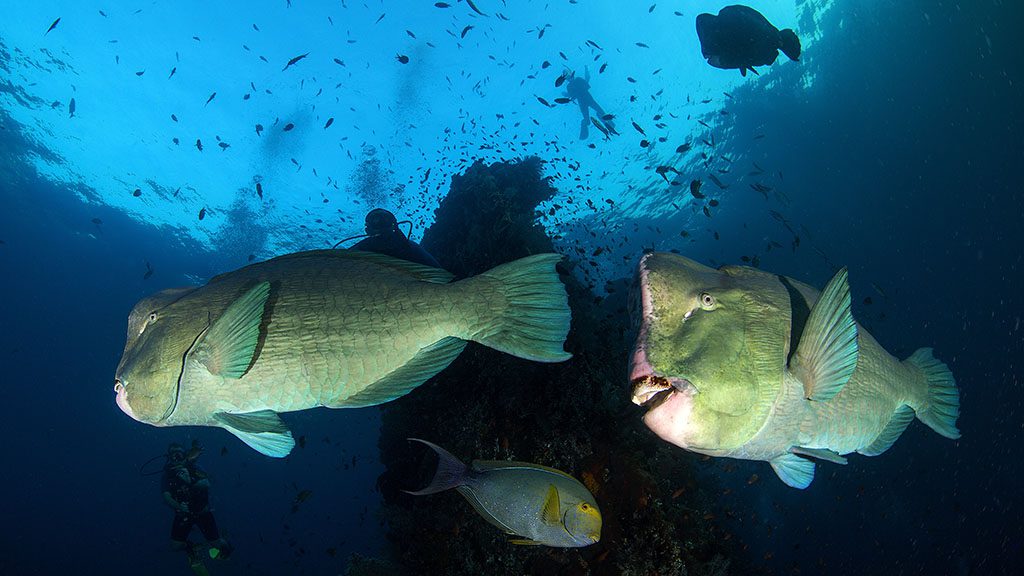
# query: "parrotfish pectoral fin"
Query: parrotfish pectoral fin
399,382
795,471
827,353
819,453
899,421
550,513
263,431
229,346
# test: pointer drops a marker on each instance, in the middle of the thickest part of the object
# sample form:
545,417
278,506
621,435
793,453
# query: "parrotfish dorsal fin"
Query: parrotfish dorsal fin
263,431
819,453
827,353
228,347
795,471
551,512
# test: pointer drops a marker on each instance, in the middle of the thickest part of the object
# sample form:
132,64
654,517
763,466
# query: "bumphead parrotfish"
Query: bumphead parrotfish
746,364
741,38
538,504
334,328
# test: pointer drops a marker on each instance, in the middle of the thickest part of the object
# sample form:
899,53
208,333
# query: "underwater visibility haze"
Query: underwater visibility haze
575,287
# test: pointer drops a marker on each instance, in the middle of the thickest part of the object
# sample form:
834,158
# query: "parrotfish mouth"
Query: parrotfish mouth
650,388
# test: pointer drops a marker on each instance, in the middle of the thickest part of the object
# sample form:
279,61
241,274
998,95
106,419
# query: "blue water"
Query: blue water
896,142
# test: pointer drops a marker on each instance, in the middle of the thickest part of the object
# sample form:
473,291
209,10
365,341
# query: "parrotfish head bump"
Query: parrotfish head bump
147,378
693,367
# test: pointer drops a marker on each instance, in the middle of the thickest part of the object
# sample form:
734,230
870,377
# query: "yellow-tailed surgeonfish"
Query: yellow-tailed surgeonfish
539,505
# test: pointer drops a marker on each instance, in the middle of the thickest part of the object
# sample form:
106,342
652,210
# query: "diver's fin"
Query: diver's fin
522,542
827,353
402,380
229,346
550,512
531,312
898,422
450,473
819,453
263,431
794,470
941,406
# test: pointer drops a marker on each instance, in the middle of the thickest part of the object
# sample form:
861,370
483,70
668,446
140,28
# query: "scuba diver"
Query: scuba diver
384,237
186,489
578,89
741,37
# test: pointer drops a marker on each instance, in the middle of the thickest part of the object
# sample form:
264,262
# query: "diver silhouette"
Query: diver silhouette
578,89
186,489
384,237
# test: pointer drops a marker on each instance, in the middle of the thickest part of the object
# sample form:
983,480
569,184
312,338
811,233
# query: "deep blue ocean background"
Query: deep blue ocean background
898,142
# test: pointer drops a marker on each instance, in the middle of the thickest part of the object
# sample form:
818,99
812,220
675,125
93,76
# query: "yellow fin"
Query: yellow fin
550,514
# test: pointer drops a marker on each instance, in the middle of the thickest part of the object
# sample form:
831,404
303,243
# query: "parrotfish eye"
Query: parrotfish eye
152,316
707,301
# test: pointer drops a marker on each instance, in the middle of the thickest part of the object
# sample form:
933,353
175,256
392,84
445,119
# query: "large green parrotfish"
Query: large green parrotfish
746,364
537,504
334,328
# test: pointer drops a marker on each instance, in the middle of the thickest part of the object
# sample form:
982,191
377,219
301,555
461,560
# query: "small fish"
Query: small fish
473,7
559,81
639,129
328,123
173,70
149,271
465,31
288,127
402,58
199,144
210,99
224,145
683,148
695,189
339,62
140,73
259,129
602,68
300,498
541,505
381,17
259,190
562,100
708,214
642,45
52,26
442,5
294,60
71,108
137,192
544,102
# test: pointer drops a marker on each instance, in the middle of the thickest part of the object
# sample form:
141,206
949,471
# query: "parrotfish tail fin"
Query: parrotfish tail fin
790,44
534,318
451,472
941,406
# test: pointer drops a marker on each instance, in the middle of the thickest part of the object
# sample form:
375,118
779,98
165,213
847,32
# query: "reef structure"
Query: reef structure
575,416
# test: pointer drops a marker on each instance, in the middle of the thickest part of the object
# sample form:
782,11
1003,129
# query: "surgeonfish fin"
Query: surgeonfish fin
819,453
827,353
229,346
550,511
399,382
898,422
263,431
521,542
795,471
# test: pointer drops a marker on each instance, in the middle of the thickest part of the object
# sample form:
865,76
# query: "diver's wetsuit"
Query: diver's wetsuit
395,244
578,89
184,484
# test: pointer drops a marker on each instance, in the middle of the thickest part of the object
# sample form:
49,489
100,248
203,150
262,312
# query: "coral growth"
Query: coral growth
575,416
